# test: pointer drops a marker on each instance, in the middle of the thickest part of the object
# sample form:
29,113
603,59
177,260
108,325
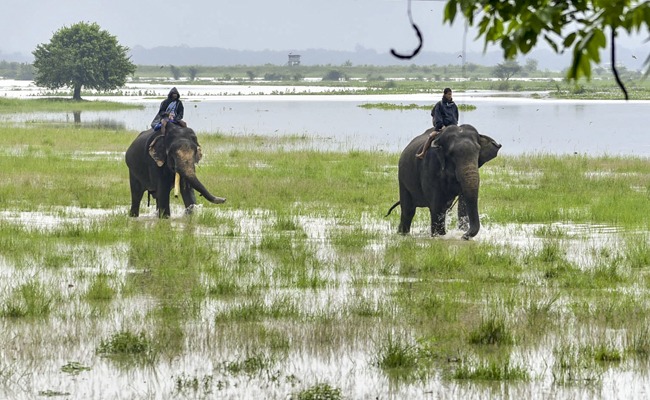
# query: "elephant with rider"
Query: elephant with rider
449,170
157,161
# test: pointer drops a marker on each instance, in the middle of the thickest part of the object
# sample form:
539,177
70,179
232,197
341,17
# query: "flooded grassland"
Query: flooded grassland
298,287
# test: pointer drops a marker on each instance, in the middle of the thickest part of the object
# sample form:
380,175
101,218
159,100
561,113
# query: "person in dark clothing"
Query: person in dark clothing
171,109
444,113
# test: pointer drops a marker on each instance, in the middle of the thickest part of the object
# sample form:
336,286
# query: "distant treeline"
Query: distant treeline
15,70
346,71
500,77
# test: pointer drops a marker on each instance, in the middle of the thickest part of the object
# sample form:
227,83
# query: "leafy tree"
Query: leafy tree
506,70
176,72
193,71
531,65
79,56
333,75
251,75
273,76
577,25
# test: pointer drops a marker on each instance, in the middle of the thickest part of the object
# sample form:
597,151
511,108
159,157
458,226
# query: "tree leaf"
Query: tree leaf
450,11
568,41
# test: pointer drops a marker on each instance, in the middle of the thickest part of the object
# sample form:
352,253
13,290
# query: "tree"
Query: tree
193,71
577,25
531,65
333,75
506,70
79,56
176,72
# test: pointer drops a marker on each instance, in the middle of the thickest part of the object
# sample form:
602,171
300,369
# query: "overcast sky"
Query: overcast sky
290,25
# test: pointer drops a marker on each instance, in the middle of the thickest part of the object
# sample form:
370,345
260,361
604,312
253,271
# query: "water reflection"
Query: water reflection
96,122
88,119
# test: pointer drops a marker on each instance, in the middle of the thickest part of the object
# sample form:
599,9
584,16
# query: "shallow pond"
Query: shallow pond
521,124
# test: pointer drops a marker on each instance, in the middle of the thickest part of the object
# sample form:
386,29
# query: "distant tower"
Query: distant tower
294,59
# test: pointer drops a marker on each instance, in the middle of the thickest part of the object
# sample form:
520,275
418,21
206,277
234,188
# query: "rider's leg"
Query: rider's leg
163,124
427,144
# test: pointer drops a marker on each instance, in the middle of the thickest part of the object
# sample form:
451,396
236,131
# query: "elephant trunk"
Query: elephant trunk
198,186
184,161
469,180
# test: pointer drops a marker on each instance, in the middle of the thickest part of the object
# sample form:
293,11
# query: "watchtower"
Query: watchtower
294,59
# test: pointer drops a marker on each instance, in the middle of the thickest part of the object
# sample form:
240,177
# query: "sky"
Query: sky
290,25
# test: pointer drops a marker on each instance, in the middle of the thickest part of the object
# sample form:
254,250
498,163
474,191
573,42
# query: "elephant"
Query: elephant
449,170
155,161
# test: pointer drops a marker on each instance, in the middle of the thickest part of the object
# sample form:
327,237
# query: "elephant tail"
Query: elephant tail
391,209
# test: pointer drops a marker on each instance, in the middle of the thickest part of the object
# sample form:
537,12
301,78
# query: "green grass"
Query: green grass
321,391
300,269
491,331
412,106
491,371
100,289
125,343
30,300
8,105
396,353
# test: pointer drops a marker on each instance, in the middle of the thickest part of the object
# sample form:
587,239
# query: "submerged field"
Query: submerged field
298,287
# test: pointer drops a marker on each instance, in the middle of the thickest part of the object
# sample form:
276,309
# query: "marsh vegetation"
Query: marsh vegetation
298,287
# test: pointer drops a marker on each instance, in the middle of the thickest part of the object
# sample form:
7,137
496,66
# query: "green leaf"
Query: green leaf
568,41
594,44
450,11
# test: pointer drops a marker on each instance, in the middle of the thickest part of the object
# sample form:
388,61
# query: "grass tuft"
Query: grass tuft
492,331
320,391
125,343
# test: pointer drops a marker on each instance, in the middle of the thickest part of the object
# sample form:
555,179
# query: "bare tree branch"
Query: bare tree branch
614,70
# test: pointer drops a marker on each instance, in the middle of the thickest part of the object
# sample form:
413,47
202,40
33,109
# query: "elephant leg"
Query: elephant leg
189,197
407,208
438,218
163,207
137,191
406,217
438,211
162,196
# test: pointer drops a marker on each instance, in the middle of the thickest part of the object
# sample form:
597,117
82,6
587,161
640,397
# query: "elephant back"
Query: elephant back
415,145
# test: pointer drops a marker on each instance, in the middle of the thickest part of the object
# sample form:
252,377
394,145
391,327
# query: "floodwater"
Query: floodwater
35,354
521,123
35,359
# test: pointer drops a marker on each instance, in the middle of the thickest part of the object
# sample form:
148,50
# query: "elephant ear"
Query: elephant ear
489,149
199,154
157,151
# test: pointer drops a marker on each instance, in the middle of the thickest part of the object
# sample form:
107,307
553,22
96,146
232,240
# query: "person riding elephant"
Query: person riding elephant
448,171
171,109
154,166
444,114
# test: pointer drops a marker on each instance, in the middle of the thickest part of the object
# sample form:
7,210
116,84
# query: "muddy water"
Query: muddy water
319,351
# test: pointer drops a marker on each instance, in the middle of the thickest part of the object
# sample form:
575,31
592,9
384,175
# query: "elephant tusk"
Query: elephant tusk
177,184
